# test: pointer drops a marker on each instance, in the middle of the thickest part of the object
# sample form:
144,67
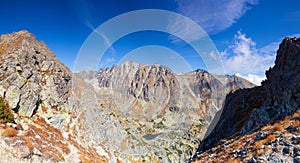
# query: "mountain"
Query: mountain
261,124
37,88
131,112
161,112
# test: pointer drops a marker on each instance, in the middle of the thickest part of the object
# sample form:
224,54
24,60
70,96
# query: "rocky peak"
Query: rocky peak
31,75
247,110
287,58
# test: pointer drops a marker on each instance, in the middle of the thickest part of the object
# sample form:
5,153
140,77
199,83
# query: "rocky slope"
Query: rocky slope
163,112
126,113
37,87
262,123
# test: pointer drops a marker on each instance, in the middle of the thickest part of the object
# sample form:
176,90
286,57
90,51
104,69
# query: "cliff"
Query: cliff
271,110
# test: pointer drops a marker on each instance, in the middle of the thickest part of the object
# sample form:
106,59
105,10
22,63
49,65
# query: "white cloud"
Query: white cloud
243,56
253,78
212,15
244,59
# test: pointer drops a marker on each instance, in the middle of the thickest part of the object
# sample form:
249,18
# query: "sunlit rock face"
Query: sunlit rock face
130,112
161,112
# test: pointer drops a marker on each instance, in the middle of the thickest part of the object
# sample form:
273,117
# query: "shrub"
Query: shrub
6,115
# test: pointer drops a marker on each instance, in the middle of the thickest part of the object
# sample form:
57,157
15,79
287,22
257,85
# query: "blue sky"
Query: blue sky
245,32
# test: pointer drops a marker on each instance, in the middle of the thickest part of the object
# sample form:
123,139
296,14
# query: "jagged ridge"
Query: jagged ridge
246,111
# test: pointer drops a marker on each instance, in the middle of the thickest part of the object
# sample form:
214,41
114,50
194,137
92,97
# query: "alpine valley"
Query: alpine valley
143,113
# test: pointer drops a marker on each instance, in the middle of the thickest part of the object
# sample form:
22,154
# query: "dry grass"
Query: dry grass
260,152
277,127
233,160
43,108
83,159
296,114
296,124
270,138
10,132
259,144
28,143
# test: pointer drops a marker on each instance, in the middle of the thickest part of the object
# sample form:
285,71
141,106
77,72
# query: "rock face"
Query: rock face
246,111
131,112
31,77
37,88
158,108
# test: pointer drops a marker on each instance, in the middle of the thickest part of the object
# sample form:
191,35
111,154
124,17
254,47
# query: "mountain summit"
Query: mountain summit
262,123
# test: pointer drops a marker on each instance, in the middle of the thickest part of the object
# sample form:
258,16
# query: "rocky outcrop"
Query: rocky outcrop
247,110
31,77
37,88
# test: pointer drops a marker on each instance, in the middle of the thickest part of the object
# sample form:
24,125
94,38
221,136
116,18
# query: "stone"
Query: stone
286,150
296,140
13,95
253,160
296,151
46,65
2,91
275,159
259,136
297,159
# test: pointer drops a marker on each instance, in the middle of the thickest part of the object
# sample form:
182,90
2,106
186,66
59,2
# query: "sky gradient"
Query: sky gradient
245,32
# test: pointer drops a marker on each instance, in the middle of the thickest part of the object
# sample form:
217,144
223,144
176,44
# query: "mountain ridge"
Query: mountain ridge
129,112
253,111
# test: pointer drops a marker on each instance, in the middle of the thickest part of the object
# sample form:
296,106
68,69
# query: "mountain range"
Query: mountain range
140,113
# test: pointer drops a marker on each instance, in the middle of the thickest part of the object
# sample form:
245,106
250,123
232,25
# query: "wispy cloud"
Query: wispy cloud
110,60
212,15
244,59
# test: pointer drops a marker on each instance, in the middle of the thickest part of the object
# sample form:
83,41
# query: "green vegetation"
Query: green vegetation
6,115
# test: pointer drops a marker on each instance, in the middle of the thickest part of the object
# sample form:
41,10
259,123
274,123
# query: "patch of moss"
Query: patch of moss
6,115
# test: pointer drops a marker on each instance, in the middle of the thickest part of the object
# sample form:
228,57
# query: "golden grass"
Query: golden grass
83,159
296,124
277,127
260,152
233,160
259,144
270,138
28,143
10,132
296,114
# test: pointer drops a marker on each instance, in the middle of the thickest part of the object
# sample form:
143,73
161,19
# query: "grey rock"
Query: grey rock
296,151
13,95
297,159
286,150
275,159
253,160
260,135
